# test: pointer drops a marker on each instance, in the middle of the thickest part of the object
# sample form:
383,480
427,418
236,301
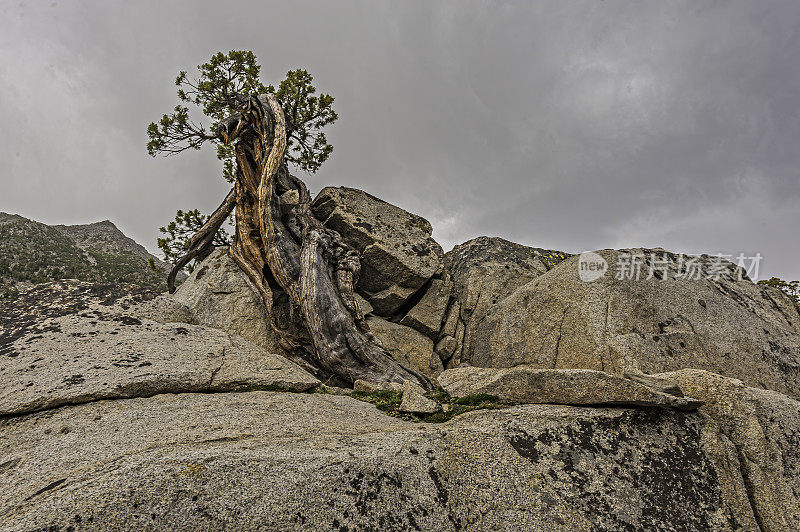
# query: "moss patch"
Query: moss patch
388,401
468,403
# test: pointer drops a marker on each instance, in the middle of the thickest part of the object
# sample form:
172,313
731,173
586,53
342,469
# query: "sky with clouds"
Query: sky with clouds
567,125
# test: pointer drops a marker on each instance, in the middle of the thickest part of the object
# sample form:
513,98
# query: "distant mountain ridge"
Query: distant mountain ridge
32,253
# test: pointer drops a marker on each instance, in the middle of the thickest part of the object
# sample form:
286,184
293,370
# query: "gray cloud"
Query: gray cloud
570,125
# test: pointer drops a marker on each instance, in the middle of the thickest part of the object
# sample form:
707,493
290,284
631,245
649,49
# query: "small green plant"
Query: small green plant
177,233
385,400
468,403
790,288
389,401
440,395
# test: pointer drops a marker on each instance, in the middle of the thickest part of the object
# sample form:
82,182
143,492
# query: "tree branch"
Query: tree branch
203,239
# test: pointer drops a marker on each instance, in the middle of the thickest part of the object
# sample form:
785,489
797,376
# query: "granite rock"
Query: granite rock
219,294
728,325
398,254
415,402
525,384
406,345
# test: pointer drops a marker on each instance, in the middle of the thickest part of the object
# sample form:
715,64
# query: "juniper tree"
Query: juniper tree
291,258
790,288
174,244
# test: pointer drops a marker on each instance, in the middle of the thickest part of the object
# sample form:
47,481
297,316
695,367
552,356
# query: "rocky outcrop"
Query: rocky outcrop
761,430
484,271
398,255
279,461
407,346
124,409
97,350
728,326
219,451
163,309
415,402
427,315
219,295
524,384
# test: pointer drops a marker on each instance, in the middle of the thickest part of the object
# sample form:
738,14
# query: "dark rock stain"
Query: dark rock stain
676,483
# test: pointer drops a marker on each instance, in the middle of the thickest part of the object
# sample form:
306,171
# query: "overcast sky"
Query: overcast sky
570,125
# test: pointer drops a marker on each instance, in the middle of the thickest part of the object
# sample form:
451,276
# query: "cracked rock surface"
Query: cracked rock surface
727,326
193,442
219,295
762,429
398,254
282,461
525,384
484,271
407,346
70,342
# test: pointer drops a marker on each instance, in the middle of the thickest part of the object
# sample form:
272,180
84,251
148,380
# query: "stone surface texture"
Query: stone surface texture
484,271
525,384
81,346
415,402
398,254
280,461
407,346
427,315
762,427
219,295
728,326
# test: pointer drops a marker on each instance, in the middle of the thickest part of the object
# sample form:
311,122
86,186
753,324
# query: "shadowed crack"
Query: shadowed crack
748,486
49,487
143,390
214,373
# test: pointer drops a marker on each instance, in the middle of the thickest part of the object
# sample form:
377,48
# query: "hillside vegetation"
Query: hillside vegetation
32,253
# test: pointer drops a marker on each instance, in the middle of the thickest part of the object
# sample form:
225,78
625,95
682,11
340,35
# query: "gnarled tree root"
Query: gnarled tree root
289,255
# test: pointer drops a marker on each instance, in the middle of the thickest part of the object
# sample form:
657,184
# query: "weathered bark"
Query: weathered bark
292,258
201,243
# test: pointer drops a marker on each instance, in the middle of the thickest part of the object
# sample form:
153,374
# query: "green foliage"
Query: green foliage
217,92
385,400
469,403
221,80
790,288
440,395
389,401
306,115
177,233
32,253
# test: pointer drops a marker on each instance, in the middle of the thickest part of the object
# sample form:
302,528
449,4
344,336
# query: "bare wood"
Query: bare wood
201,242
287,253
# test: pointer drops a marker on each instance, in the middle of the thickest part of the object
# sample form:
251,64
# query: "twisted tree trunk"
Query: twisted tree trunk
292,258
